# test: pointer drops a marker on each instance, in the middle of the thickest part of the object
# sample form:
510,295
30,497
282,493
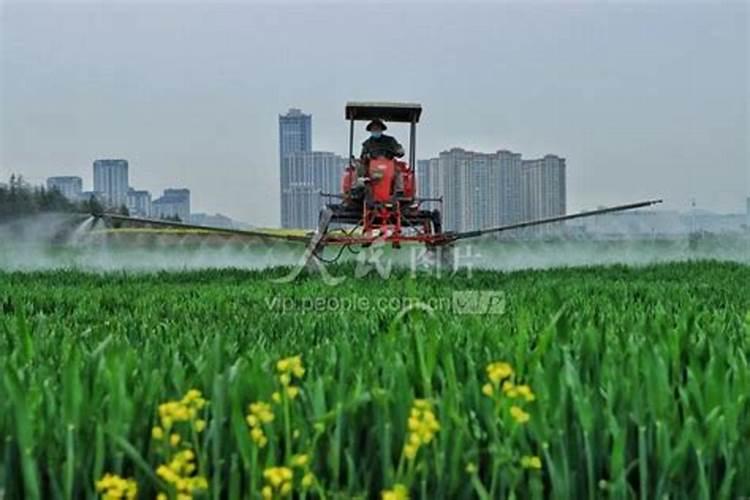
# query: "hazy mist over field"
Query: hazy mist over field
60,241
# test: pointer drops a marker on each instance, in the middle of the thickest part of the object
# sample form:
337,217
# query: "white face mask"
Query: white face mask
375,134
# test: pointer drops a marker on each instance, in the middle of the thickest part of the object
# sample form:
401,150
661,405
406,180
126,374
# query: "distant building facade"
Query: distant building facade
429,181
295,133
173,203
139,202
479,190
304,175
69,186
543,187
111,179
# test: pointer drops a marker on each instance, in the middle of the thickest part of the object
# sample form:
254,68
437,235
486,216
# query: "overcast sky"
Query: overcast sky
642,99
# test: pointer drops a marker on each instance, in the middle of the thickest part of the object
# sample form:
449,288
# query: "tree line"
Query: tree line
19,198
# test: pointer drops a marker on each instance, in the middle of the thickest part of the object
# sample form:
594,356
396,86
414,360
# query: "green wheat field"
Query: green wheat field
582,383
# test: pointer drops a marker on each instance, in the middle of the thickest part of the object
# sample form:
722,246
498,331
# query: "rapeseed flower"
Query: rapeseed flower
519,415
183,410
422,426
260,413
525,392
308,480
498,371
290,367
278,482
178,473
114,487
300,460
531,462
398,492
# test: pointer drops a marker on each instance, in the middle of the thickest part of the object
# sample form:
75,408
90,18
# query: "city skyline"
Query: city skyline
662,114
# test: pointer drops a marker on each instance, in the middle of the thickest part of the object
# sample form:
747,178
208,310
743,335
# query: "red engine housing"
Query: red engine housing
382,173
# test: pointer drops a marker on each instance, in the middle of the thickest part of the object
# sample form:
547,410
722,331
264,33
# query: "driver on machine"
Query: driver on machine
377,145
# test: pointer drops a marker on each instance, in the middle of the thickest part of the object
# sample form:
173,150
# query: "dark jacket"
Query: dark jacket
385,145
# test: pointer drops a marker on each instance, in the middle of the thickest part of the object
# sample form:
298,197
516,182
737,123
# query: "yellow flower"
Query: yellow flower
498,371
488,390
277,475
157,432
193,400
525,392
292,366
112,486
277,479
262,411
178,473
174,439
410,451
267,493
258,436
292,391
276,396
300,460
422,426
200,425
181,411
307,480
531,462
398,492
166,473
519,415
421,404
162,496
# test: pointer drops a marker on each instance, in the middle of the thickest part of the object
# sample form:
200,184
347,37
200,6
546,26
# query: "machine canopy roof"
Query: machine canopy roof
386,111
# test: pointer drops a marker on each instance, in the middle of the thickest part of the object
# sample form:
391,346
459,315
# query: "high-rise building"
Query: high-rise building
295,133
111,179
479,189
297,198
173,203
543,187
429,181
69,186
139,202
508,200
304,175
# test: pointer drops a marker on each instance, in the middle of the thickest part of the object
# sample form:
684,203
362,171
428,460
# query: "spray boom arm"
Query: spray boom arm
549,220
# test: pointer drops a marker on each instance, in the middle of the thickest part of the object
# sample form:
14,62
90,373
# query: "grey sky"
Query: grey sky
643,99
